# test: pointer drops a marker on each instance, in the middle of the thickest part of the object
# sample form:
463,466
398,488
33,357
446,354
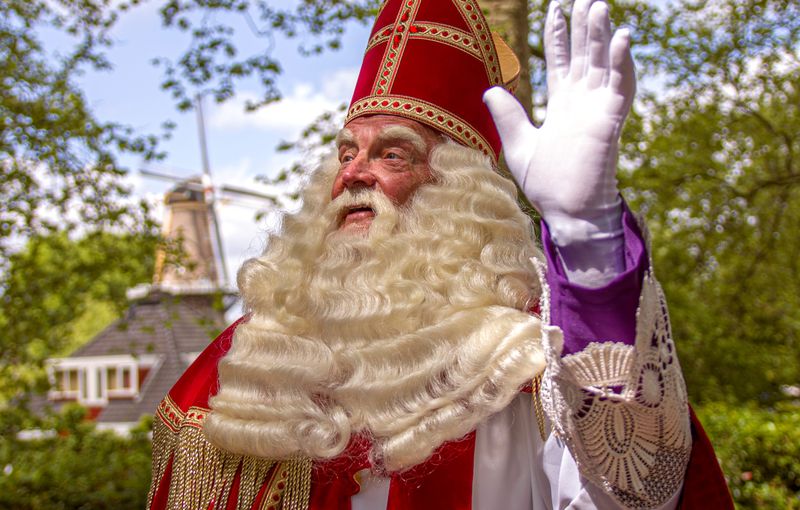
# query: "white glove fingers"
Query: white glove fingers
622,76
599,40
556,46
580,36
516,131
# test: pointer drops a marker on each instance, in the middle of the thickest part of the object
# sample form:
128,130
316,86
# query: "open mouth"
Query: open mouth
357,214
360,209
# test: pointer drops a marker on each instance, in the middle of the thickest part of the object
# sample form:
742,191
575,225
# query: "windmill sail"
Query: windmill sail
210,196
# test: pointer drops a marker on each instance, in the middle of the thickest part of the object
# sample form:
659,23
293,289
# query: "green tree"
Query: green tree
51,285
713,160
56,293
759,449
77,467
214,62
59,162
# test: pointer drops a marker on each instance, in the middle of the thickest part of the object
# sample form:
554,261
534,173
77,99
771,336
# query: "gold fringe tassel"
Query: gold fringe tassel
298,490
202,473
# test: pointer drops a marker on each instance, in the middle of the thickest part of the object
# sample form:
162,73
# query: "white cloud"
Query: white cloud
243,238
237,173
295,111
340,84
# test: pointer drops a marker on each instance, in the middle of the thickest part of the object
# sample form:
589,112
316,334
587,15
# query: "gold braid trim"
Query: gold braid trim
298,490
536,388
425,112
470,12
163,443
203,473
437,32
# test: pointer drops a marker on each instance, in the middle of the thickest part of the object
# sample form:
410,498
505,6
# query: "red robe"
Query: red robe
188,472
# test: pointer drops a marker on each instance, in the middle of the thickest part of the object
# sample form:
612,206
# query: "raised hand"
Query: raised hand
567,168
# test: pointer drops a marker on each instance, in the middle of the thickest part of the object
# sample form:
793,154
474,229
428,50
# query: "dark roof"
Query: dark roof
159,326
170,327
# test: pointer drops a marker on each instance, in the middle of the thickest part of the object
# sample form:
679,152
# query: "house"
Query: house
125,371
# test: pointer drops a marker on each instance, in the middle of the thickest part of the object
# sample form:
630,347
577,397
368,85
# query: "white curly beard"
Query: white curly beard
411,334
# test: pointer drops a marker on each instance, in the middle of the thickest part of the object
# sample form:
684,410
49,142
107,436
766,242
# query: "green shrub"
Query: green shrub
82,468
77,468
760,452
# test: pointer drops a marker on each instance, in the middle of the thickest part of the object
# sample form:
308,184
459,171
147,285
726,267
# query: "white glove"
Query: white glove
567,168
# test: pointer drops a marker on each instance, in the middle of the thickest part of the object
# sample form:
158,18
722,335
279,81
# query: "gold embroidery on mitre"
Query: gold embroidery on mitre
471,13
203,473
502,66
448,35
395,48
380,36
425,112
436,32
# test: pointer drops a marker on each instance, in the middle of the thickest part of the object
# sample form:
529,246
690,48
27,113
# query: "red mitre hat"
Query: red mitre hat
431,61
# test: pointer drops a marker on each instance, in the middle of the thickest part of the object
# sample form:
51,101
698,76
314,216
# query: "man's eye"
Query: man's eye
392,155
347,158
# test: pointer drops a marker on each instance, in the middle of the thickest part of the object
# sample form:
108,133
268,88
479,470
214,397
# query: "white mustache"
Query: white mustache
363,197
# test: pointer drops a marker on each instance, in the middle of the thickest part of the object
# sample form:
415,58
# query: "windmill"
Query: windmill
191,216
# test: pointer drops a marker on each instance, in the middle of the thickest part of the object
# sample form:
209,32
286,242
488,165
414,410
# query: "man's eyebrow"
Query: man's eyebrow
403,134
345,137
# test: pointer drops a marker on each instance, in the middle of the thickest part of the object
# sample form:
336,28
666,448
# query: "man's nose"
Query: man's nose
358,173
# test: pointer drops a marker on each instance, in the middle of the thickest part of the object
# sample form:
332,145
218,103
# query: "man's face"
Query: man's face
385,153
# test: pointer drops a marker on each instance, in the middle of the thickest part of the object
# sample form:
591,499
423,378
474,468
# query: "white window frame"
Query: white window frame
58,392
93,389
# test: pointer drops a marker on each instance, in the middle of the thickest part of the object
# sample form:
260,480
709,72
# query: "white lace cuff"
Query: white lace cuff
622,410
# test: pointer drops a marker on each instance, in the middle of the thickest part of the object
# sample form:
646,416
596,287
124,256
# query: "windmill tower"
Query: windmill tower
187,221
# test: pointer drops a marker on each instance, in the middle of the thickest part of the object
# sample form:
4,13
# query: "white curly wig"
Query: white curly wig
412,334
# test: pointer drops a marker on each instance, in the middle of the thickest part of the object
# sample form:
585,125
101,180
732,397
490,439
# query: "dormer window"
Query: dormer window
93,381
